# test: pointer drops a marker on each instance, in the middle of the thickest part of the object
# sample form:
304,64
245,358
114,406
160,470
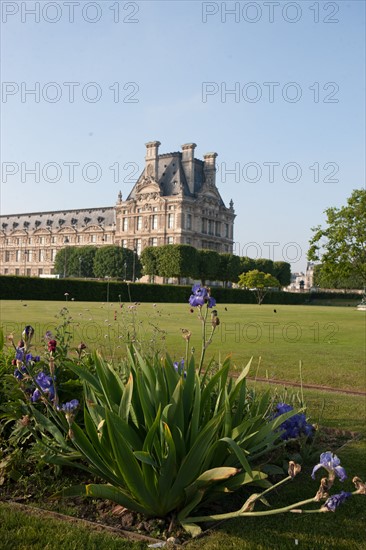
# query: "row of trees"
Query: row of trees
207,265
165,261
90,261
340,247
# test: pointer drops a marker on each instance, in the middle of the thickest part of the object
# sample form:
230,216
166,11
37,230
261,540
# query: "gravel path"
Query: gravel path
308,386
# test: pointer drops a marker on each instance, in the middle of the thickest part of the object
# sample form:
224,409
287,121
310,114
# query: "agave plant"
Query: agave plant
165,441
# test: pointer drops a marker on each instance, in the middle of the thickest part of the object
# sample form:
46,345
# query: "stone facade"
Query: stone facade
175,200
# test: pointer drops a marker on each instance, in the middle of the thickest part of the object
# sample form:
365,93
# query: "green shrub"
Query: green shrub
165,439
32,288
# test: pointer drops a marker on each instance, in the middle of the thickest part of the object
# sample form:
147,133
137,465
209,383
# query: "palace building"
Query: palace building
174,201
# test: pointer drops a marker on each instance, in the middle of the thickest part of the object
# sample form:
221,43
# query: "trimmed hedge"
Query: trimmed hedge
34,288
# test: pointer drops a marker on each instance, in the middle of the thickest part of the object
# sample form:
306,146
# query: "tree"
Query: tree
177,260
75,261
323,279
246,264
115,261
229,268
259,282
341,246
149,261
264,265
63,261
83,261
208,263
282,272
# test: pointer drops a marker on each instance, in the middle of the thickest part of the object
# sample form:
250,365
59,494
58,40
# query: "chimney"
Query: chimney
151,159
188,163
209,168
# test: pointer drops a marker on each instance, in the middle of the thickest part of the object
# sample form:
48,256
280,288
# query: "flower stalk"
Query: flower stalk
201,296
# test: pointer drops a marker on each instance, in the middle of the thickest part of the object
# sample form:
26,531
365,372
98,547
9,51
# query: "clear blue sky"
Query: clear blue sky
168,51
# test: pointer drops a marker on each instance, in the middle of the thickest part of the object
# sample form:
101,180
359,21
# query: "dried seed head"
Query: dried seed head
293,469
323,491
186,334
360,485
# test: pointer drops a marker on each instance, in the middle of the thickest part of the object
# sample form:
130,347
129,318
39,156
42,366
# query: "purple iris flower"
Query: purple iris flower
308,429
200,296
334,501
36,395
19,354
70,406
293,427
331,463
18,375
27,333
45,382
283,408
30,357
179,367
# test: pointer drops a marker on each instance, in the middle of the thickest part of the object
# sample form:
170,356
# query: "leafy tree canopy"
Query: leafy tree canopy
246,264
341,245
229,268
208,264
177,260
324,279
75,261
85,260
259,281
149,260
115,261
264,265
282,272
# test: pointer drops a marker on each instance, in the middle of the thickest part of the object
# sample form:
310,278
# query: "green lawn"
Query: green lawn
330,341
22,531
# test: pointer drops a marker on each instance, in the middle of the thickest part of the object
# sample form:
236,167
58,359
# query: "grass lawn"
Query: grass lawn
21,531
344,530
330,341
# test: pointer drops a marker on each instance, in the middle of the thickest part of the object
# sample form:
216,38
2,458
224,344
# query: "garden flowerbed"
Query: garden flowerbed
104,515
152,449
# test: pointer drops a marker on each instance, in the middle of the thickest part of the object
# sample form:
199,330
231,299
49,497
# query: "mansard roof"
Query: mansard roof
56,220
172,179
